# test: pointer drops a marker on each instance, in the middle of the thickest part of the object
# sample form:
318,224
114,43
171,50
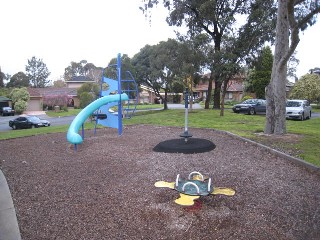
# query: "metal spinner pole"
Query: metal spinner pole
186,134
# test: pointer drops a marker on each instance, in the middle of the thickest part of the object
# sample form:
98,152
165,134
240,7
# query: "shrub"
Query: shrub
246,98
20,106
85,99
65,108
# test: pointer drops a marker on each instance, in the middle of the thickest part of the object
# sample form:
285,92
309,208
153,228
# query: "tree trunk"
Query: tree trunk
207,102
216,94
191,99
224,92
165,100
276,90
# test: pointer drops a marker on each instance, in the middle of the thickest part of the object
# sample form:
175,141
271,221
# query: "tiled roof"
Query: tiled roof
34,92
235,86
80,79
38,92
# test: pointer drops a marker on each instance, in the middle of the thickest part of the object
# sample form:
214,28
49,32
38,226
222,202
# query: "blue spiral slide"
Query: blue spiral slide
73,136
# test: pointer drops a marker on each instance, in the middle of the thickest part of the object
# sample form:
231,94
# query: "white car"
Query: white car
298,109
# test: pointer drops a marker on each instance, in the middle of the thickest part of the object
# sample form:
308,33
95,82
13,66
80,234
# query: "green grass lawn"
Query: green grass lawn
72,112
306,146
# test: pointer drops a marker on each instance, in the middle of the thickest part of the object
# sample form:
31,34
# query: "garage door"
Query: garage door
34,105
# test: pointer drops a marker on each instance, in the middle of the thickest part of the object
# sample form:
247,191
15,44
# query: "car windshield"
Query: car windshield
250,101
6,108
34,119
293,104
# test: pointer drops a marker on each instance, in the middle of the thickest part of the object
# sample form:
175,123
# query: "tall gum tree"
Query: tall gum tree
293,16
217,18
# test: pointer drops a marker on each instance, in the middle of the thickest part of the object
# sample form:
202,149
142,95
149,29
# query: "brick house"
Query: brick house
234,89
37,96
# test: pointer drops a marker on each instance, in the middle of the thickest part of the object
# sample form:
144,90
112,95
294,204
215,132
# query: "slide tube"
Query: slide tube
73,136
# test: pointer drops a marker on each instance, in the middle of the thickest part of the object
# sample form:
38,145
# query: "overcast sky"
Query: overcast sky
62,31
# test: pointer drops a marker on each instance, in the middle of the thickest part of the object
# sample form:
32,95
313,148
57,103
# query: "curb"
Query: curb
9,228
312,168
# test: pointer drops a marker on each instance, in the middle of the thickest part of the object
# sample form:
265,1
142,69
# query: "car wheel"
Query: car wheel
310,115
14,127
251,111
302,117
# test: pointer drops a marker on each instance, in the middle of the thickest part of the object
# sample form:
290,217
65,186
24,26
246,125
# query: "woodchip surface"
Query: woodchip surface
106,189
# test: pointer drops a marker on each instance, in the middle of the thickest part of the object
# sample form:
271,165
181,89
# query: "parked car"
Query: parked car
98,115
28,122
298,109
7,111
45,123
250,106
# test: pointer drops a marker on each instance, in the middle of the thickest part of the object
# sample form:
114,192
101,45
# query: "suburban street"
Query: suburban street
4,121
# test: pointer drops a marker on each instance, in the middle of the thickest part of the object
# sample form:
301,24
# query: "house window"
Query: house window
228,95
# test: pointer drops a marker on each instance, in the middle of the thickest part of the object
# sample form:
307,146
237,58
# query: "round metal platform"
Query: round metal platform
193,145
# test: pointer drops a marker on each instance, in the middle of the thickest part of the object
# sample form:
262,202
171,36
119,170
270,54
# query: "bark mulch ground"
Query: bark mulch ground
106,189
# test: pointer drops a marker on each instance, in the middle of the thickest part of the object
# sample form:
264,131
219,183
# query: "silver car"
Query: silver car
298,109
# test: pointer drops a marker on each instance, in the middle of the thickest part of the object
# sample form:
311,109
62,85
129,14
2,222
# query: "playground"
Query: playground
105,189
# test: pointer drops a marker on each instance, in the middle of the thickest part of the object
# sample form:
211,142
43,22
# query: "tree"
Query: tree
87,93
155,66
315,70
308,87
92,88
20,96
19,79
59,84
20,106
261,73
37,73
126,65
192,54
293,16
2,77
292,67
55,100
217,18
83,68
5,92
85,99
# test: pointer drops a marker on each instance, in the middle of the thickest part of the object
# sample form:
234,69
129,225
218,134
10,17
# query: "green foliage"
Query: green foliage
19,94
2,77
65,108
37,72
92,88
20,106
229,46
85,99
83,68
246,97
19,79
169,66
126,65
308,87
260,76
59,84
5,92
